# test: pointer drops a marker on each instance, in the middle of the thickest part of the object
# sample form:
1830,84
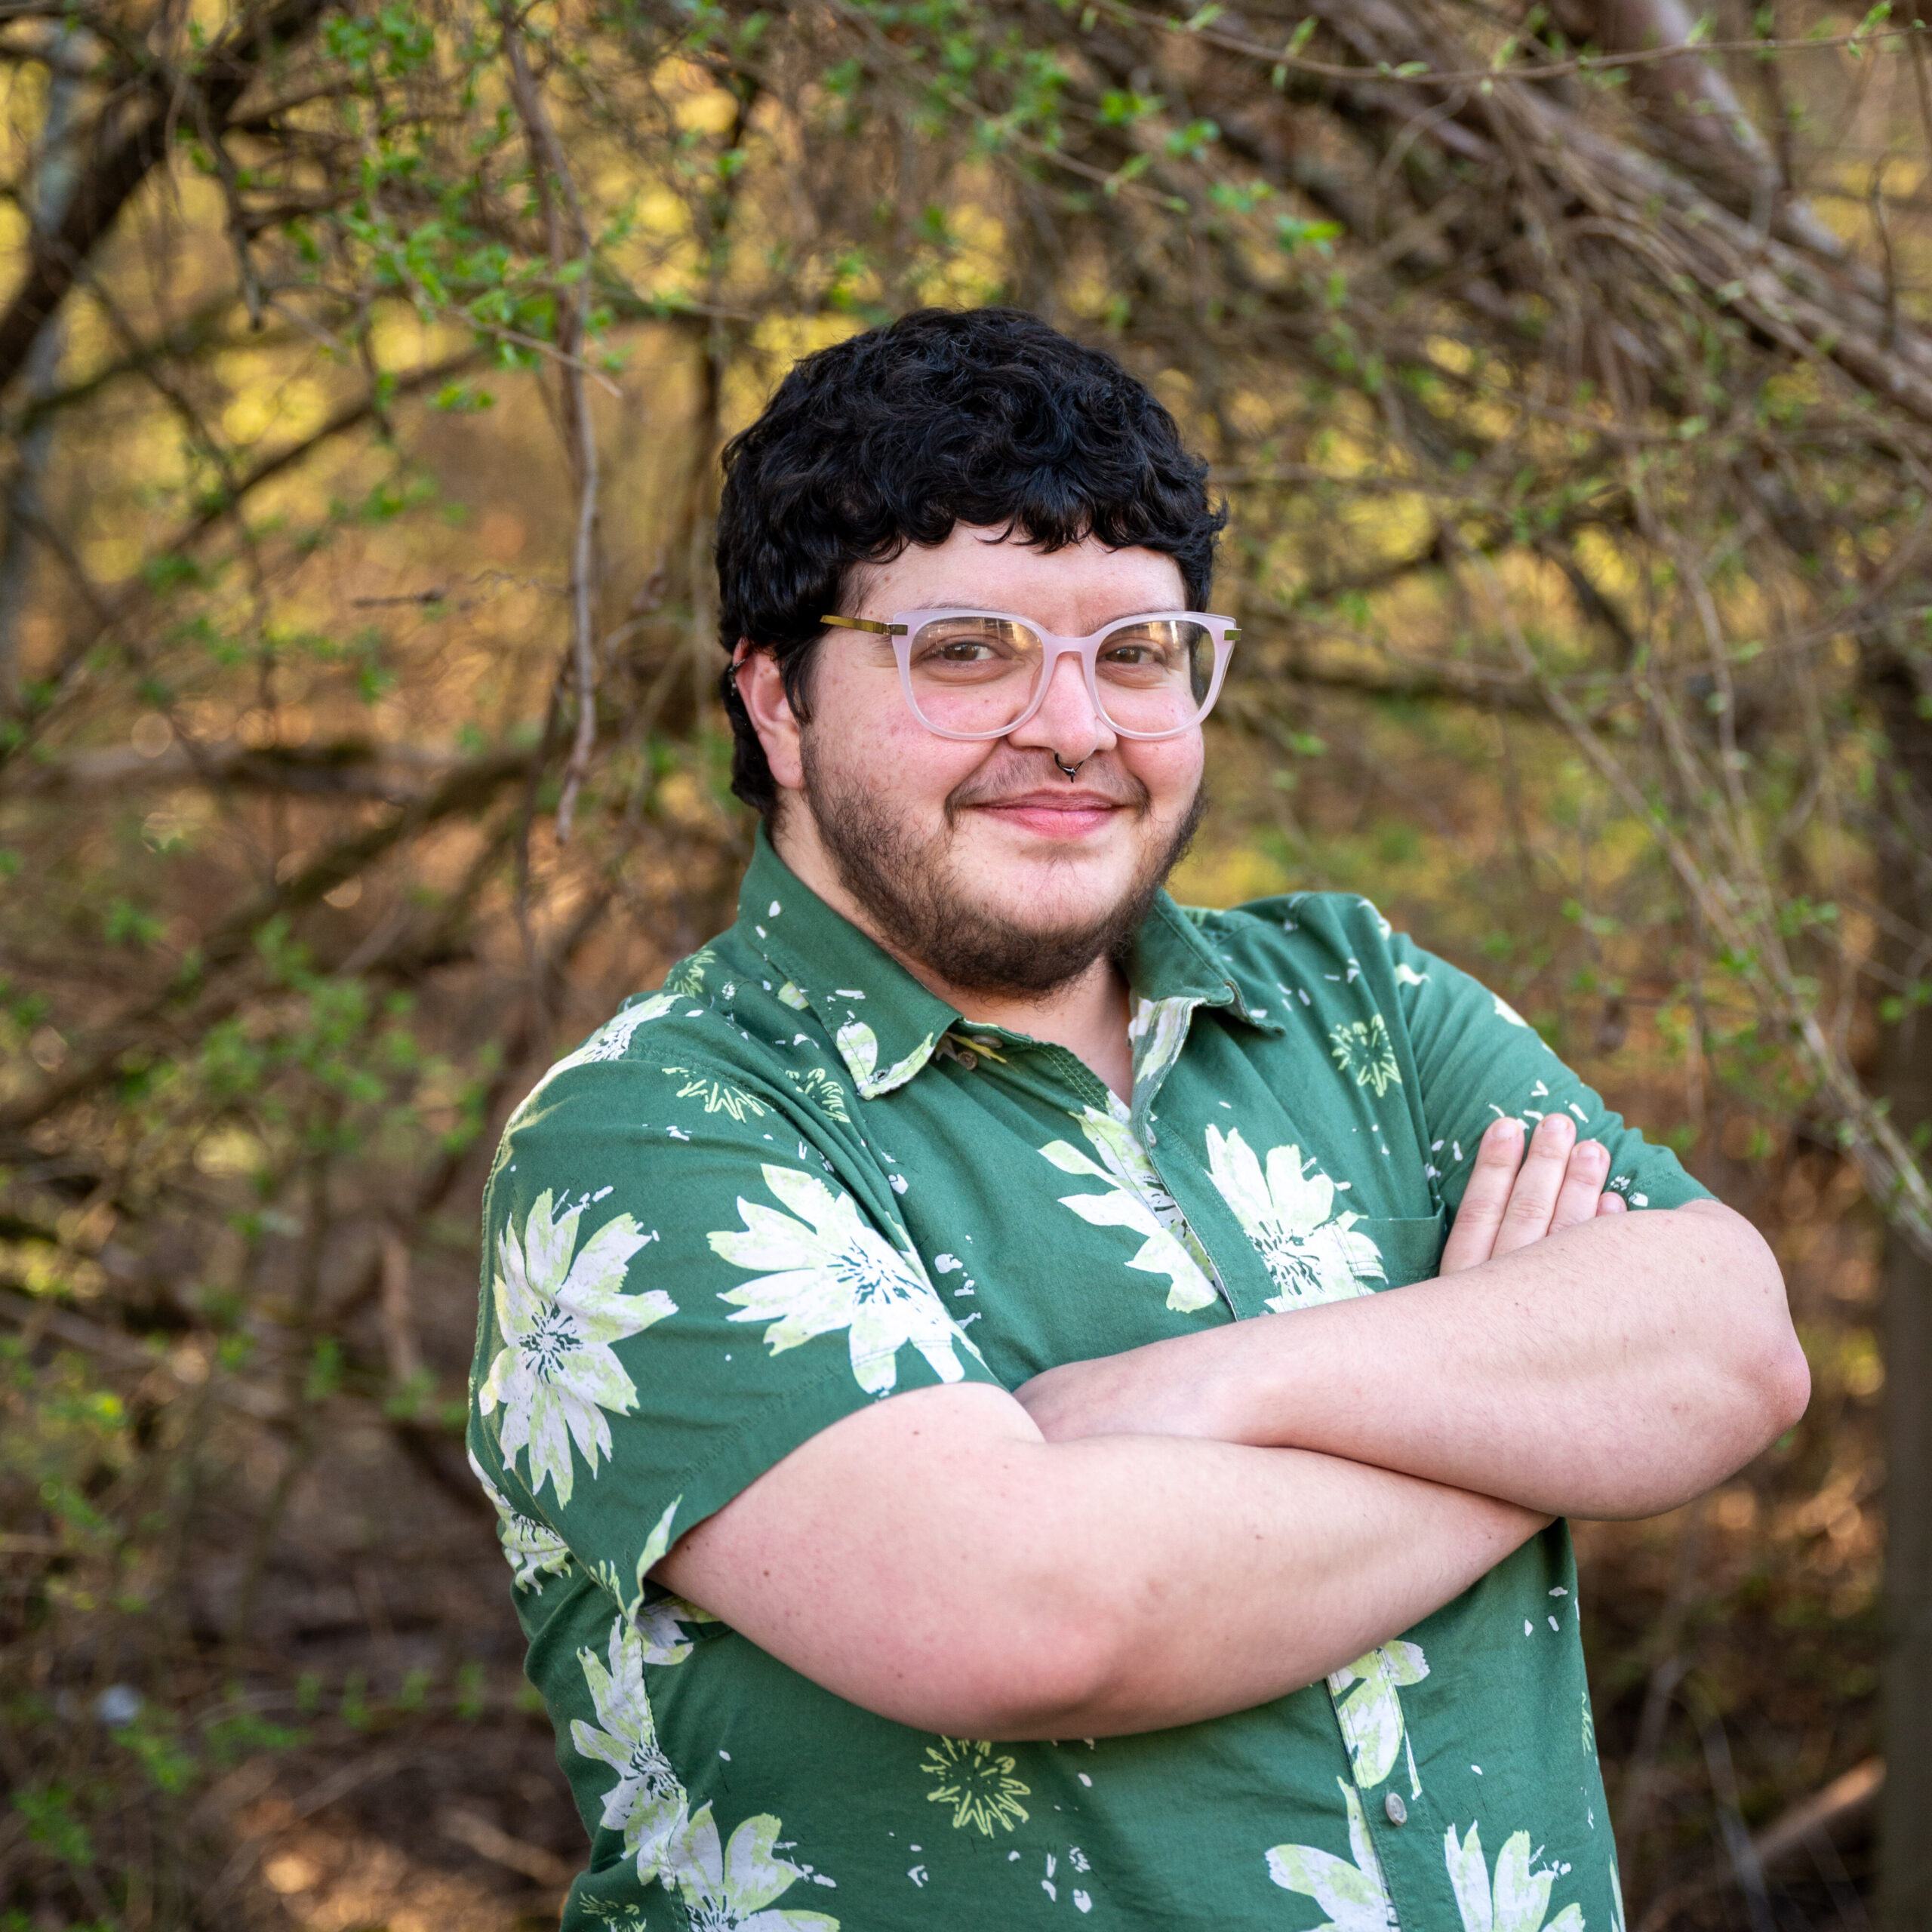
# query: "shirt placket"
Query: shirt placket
1396,1824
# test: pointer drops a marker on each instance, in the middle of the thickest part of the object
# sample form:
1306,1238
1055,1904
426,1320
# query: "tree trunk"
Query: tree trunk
47,208
1903,692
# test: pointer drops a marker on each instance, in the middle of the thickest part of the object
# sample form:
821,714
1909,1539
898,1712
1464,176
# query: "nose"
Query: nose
1068,723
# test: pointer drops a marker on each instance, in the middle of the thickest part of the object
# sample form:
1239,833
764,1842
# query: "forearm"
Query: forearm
1617,1368
1077,1589
1280,1564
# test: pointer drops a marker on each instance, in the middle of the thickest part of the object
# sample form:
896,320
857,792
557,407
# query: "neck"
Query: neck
1088,1014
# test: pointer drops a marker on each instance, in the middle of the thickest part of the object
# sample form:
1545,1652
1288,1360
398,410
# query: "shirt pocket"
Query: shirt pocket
1411,1250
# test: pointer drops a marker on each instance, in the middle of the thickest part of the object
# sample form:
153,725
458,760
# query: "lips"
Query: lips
1067,814
1050,808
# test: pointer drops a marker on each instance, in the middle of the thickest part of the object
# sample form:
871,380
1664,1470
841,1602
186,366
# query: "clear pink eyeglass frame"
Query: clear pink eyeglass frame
906,625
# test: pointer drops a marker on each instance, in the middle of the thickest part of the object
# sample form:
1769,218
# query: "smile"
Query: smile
1060,815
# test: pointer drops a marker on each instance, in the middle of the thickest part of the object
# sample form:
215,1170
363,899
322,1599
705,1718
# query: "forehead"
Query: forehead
1082,585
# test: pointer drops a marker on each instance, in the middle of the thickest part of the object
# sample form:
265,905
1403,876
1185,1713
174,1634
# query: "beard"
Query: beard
906,881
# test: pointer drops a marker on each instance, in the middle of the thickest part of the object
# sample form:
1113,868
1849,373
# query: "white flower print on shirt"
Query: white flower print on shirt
532,1549
1138,1200
1519,1897
686,980
733,1888
830,1268
1288,1212
556,1373
612,1041
819,1086
1364,1051
718,1095
648,1804
661,1628
1157,1032
1370,1714
859,1045
1355,1896
609,1578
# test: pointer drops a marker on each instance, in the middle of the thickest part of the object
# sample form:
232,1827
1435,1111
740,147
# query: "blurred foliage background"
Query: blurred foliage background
364,366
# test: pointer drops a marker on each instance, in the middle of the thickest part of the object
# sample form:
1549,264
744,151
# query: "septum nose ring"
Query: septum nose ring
1072,771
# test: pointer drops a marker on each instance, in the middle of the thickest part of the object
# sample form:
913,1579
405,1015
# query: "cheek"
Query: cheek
1170,768
861,726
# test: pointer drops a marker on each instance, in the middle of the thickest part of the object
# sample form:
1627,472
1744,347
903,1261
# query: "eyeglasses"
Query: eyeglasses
978,673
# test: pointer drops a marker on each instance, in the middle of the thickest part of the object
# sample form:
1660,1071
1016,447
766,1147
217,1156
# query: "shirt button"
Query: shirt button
1398,1812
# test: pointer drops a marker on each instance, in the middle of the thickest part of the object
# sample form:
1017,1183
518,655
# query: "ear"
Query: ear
762,686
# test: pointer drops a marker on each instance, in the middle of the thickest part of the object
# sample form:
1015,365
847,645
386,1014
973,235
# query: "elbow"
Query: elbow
1042,1675
1736,1376
1771,1376
1057,1665
1784,1387
1781,1384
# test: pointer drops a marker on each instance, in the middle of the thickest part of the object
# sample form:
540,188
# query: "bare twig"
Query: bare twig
570,242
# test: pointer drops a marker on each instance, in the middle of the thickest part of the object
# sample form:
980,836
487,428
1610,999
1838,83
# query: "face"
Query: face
979,859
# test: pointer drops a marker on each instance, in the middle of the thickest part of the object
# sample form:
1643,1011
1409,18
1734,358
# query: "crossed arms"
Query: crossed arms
1200,1525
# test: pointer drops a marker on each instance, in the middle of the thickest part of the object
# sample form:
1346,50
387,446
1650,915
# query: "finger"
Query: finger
1538,1181
1582,1183
1472,1239
1612,1204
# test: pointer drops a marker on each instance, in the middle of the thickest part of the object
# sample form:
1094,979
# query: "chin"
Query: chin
1049,896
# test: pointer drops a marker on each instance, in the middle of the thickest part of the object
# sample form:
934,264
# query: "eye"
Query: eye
1140,652
987,646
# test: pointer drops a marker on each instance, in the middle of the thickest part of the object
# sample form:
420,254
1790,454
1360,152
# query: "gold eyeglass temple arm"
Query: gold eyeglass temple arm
864,624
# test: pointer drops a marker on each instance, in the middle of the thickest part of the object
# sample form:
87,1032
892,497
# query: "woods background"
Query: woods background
363,370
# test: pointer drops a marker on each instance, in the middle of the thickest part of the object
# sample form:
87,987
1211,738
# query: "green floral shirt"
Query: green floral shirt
793,1183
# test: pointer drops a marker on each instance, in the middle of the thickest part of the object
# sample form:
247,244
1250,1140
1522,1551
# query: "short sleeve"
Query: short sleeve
679,1289
1478,1060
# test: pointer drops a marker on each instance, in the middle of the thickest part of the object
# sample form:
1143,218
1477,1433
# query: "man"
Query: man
987,1426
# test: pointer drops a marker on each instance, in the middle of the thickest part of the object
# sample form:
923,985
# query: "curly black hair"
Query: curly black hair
985,417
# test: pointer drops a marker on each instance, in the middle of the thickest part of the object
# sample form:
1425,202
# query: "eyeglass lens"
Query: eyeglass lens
979,674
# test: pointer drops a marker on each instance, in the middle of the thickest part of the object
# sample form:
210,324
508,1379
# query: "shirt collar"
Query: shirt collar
884,1023
1172,959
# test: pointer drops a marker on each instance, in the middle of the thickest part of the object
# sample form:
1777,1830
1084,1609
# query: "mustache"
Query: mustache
1013,773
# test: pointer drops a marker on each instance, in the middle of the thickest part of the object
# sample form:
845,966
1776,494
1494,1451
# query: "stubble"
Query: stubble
908,884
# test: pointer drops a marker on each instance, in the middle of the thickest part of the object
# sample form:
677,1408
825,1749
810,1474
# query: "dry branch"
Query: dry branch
1848,1801
120,163
344,768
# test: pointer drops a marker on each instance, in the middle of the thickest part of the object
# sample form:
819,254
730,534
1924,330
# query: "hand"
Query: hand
1516,1196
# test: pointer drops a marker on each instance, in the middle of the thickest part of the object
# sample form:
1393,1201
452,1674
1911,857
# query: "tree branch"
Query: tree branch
121,162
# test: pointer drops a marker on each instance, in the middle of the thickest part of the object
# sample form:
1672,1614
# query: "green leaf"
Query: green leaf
1293,234
1189,141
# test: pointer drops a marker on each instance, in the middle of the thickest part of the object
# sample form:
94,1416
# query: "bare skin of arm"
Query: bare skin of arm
1578,1362
946,1561
937,1560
